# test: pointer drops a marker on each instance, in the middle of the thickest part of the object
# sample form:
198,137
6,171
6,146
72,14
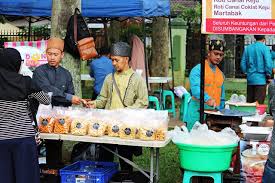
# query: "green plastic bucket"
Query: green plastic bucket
243,108
205,158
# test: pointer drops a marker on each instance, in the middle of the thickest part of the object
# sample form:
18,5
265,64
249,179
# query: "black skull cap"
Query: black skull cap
121,49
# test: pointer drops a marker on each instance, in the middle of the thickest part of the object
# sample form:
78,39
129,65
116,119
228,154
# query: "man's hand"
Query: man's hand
91,104
76,100
84,102
211,102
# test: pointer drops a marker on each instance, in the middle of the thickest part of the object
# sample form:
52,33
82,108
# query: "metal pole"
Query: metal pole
171,51
151,165
157,164
203,38
29,34
145,57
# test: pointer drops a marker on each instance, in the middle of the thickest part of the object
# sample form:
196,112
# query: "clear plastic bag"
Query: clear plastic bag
252,166
97,127
201,135
62,120
46,124
113,128
45,118
79,125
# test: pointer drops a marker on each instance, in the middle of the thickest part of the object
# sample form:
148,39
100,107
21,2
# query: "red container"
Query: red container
261,108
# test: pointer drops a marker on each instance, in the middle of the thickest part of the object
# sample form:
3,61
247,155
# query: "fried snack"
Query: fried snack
79,127
147,134
62,125
113,129
97,129
127,132
160,134
137,133
46,124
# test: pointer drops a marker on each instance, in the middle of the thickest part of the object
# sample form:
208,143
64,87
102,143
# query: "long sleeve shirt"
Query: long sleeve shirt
56,80
195,80
257,63
99,69
15,120
135,95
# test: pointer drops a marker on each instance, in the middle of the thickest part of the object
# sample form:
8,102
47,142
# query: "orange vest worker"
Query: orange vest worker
213,83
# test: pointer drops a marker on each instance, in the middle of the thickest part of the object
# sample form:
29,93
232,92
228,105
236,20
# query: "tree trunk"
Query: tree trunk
114,32
159,65
229,60
61,12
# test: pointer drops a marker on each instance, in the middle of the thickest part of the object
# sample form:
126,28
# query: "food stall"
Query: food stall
140,127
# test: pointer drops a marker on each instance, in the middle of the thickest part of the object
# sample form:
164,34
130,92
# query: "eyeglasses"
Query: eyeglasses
22,60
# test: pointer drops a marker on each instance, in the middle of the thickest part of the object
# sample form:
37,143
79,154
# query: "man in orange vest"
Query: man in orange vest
214,84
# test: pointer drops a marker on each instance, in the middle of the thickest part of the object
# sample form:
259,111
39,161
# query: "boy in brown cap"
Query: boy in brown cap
52,77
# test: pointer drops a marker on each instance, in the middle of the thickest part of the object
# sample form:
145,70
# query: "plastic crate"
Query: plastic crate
88,172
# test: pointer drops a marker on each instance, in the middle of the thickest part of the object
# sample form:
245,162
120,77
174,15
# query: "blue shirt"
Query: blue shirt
99,69
195,80
273,57
257,63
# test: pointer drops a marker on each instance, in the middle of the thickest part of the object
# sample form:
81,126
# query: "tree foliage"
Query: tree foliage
2,19
191,15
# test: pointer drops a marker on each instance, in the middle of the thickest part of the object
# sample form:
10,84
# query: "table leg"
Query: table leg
160,96
157,164
152,165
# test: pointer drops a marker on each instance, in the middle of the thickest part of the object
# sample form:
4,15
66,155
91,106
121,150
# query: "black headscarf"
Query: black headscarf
13,86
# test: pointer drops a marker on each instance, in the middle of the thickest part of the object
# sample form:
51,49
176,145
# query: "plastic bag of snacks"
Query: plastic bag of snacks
160,121
45,119
113,128
46,124
97,126
111,118
147,134
127,131
79,125
130,123
62,120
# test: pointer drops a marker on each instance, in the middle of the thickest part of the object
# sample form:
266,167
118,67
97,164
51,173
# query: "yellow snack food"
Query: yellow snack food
62,125
127,132
97,129
46,124
160,134
79,127
146,134
113,129
137,133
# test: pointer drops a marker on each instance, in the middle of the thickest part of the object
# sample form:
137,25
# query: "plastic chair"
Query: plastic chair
184,105
165,94
217,176
153,101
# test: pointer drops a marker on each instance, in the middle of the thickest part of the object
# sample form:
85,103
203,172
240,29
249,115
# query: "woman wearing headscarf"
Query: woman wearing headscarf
18,151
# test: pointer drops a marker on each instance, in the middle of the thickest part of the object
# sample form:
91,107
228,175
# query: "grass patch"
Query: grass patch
169,165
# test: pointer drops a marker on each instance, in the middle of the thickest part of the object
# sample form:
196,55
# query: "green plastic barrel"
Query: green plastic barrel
205,158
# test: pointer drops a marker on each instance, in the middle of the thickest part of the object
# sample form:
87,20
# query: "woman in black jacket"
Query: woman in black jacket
18,151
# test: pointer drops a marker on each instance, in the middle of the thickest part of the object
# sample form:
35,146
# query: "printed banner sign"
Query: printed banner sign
238,17
32,52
